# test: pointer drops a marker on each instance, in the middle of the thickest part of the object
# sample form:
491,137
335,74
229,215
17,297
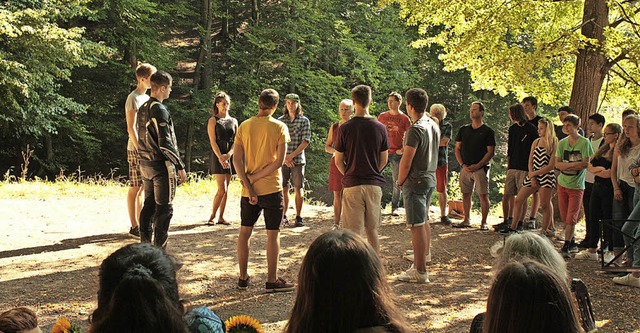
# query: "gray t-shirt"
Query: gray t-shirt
133,103
424,136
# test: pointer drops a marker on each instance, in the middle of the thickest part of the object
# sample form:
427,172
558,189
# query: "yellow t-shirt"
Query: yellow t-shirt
260,137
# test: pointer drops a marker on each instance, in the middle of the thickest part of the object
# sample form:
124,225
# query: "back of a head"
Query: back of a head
530,245
516,111
268,99
138,292
18,320
160,79
528,297
144,70
342,287
361,95
418,99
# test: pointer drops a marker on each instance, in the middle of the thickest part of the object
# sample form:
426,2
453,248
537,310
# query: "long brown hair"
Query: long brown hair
219,96
342,287
605,150
528,297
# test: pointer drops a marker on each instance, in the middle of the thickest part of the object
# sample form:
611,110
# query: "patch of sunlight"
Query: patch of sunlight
601,323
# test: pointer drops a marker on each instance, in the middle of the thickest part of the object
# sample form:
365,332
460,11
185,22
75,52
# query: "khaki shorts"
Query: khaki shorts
361,208
468,181
514,181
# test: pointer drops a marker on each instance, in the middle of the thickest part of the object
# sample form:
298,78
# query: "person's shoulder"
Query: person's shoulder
487,127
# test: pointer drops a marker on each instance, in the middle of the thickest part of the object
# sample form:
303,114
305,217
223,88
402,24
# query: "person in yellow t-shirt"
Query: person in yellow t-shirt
260,146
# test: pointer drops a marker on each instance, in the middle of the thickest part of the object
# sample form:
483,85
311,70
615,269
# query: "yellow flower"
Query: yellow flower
243,324
61,326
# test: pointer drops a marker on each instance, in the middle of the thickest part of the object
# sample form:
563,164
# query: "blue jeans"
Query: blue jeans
394,160
416,205
631,228
621,211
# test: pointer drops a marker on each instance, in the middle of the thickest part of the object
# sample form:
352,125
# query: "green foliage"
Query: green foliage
527,47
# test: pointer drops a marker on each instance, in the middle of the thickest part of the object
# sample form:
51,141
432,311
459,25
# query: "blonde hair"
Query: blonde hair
438,111
549,136
625,143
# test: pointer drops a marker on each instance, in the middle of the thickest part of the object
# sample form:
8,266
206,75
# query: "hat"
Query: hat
294,97
203,320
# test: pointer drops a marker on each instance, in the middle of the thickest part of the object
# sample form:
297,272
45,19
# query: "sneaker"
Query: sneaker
135,231
501,225
285,222
335,227
279,286
565,252
243,284
549,233
583,244
394,212
465,224
586,255
445,220
413,276
627,280
508,230
298,222
531,223
573,248
520,226
409,256
484,227
608,257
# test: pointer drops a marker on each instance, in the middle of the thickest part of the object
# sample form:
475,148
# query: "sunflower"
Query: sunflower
63,325
243,324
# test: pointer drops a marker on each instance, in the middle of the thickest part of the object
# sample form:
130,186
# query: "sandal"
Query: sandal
223,222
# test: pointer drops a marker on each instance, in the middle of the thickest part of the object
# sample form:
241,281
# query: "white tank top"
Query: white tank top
624,163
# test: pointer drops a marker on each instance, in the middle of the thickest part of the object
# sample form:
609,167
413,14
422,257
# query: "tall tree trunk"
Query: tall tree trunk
202,73
225,20
255,11
591,64
130,54
189,147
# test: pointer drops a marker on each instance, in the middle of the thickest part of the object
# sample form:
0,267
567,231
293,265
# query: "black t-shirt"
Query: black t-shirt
519,147
605,163
474,142
535,121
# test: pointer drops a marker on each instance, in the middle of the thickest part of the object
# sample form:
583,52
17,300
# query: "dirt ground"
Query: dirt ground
51,247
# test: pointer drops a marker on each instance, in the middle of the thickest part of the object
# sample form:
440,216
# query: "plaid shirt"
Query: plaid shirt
299,129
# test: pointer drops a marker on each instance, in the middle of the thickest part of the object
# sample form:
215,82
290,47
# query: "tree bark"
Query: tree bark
189,147
202,73
225,20
255,11
130,55
592,65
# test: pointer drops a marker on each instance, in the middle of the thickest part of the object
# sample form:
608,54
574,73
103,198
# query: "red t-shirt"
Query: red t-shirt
396,126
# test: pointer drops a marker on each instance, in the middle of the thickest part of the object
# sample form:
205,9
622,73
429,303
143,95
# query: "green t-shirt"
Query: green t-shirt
567,153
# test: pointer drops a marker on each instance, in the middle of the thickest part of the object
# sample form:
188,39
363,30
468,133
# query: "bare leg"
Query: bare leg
134,204
520,205
337,206
273,254
466,204
299,200
485,205
419,242
243,250
535,204
285,197
442,201
221,195
223,202
547,208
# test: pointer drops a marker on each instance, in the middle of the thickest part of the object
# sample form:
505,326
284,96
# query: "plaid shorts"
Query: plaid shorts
135,179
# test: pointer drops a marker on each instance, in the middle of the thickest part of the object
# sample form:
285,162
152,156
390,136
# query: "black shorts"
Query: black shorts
271,204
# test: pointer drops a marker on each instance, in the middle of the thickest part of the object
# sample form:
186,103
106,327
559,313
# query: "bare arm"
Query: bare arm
273,166
485,159
289,159
405,164
131,126
211,131
458,151
340,162
384,158
444,141
238,163
328,145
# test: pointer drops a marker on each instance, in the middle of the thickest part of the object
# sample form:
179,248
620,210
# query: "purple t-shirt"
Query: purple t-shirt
361,140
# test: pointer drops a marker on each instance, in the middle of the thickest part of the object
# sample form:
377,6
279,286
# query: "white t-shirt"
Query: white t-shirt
133,103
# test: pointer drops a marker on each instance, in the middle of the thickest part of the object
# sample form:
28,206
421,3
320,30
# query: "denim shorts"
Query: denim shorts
416,202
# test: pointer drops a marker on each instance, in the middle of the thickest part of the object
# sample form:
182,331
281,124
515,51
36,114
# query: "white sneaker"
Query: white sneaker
413,276
335,227
627,280
586,255
608,256
409,256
